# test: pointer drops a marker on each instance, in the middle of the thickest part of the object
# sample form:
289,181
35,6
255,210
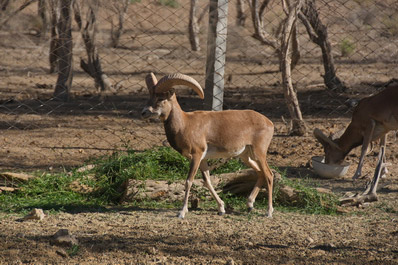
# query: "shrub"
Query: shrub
347,47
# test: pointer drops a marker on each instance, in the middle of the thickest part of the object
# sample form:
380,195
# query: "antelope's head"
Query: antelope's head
162,96
333,153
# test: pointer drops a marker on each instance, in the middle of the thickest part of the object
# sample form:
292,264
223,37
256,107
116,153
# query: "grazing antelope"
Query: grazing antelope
372,119
201,135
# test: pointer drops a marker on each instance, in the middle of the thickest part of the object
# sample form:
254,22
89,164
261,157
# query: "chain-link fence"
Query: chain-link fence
40,132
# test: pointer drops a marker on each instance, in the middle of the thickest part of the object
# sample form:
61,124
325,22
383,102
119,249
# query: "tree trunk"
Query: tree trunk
240,15
259,32
93,65
287,40
115,34
42,11
64,52
193,27
54,41
319,35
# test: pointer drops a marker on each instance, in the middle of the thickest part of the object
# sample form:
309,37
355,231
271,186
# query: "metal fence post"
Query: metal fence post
216,50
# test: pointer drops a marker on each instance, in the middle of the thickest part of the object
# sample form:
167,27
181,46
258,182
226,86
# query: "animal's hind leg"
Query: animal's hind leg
383,143
269,177
371,190
259,183
206,178
264,175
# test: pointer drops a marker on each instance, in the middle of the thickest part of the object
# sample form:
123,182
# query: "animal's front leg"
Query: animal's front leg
366,141
188,184
206,178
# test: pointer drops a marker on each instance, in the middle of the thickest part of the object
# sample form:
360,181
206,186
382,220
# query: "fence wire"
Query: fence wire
39,132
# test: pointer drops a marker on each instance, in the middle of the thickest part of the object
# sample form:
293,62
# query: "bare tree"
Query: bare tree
260,33
319,35
193,27
4,5
64,52
194,24
42,11
117,30
287,41
240,13
93,65
54,39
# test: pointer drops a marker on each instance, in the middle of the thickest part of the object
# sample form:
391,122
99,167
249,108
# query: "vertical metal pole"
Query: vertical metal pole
216,50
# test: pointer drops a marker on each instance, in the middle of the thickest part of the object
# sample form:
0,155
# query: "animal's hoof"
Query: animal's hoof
180,216
221,213
249,209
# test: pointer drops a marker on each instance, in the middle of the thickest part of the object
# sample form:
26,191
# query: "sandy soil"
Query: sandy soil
137,236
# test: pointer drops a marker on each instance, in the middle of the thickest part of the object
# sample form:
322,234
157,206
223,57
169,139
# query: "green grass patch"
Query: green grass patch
169,3
347,47
49,191
308,199
101,186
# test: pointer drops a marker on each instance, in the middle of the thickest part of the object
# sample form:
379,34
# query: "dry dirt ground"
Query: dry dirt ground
156,236
40,134
139,236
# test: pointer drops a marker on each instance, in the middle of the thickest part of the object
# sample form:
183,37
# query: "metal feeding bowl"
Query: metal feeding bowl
326,170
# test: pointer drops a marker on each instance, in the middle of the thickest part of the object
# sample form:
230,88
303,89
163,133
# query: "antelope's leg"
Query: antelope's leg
383,144
366,141
188,184
206,178
378,171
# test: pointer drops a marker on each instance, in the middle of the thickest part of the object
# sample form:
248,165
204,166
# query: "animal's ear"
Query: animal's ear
323,139
151,82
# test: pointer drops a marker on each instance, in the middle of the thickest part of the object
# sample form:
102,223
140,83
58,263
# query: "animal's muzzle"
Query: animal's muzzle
148,112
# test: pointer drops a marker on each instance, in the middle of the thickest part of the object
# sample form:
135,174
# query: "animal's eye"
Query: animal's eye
161,96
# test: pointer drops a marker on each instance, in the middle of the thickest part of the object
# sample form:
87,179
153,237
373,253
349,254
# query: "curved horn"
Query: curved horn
336,135
169,81
151,82
323,139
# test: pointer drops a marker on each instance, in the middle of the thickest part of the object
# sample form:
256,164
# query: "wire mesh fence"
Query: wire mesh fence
38,131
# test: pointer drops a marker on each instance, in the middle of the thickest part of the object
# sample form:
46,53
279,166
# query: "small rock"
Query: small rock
277,176
85,168
62,253
64,238
230,262
35,214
